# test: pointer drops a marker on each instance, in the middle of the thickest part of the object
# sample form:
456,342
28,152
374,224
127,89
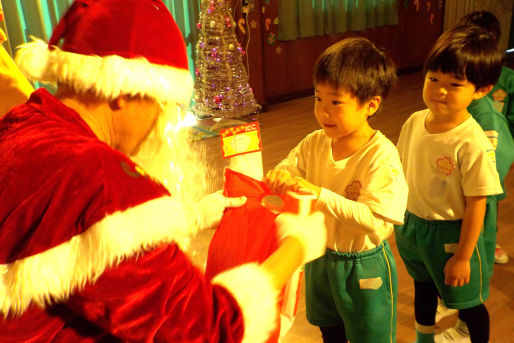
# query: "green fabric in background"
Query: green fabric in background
309,18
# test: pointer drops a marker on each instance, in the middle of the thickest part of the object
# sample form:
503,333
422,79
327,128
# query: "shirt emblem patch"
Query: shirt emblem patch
445,165
353,190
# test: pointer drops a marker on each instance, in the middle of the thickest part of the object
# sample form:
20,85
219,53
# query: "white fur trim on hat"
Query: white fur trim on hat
251,285
53,275
108,76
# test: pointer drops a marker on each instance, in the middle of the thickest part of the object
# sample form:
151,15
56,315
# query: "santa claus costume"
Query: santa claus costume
89,243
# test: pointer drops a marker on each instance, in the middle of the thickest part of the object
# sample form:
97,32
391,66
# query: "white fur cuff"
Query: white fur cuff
109,76
252,288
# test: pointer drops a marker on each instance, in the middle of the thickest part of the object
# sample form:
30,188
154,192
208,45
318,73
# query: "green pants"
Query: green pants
426,245
490,230
358,290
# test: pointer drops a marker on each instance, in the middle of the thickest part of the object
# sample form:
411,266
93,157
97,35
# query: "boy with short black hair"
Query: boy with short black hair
496,127
450,169
356,175
495,124
502,92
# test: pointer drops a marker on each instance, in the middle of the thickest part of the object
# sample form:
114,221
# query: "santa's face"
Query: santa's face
134,122
168,155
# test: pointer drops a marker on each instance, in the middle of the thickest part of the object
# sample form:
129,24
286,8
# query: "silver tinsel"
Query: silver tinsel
221,81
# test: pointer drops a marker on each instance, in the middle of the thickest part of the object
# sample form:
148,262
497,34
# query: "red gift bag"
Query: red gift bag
245,234
248,234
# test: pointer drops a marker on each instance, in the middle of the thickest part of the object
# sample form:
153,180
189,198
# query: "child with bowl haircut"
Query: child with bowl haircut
450,169
355,173
496,127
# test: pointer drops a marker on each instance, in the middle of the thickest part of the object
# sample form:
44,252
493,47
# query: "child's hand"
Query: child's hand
279,181
456,272
301,183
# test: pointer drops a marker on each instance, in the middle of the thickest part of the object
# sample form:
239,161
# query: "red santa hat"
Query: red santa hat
113,47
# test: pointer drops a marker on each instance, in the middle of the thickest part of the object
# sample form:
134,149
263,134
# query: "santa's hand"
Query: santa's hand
309,230
212,206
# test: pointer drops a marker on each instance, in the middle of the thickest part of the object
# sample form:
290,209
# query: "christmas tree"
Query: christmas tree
221,87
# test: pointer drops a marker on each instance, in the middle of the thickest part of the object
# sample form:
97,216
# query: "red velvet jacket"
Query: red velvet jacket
89,246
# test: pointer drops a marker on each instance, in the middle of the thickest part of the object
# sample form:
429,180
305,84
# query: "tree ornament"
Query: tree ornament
221,85
228,22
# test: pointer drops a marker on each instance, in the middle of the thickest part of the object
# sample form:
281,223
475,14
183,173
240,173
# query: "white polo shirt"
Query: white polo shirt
442,168
372,175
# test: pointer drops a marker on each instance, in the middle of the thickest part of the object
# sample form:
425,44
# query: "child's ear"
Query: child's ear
482,91
373,105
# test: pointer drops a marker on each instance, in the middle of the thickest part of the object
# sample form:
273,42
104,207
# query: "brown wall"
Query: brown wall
283,70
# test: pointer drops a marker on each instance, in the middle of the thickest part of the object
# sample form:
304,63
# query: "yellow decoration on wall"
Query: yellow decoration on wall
241,24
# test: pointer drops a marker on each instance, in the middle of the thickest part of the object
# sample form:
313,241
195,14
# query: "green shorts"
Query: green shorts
426,245
490,229
358,290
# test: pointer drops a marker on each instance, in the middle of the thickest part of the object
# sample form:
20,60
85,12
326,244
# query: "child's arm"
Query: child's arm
351,211
457,268
345,210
